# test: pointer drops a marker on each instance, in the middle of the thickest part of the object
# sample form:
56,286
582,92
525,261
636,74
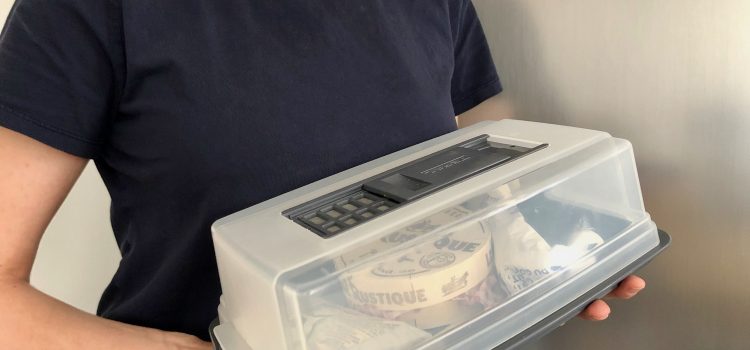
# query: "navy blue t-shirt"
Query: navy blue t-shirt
195,109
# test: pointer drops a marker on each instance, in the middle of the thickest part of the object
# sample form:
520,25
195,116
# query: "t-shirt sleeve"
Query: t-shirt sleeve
60,64
474,76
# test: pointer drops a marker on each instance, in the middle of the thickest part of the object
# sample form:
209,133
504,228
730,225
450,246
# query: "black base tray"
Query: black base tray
561,316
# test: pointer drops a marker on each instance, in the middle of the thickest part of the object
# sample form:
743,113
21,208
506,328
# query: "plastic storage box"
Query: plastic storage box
480,238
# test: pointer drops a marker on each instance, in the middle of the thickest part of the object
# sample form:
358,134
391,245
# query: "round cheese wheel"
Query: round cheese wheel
427,274
391,241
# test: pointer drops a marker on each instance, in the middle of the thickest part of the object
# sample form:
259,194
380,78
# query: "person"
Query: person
192,110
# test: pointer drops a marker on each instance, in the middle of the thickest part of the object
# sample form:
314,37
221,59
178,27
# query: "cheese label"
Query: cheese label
427,274
393,240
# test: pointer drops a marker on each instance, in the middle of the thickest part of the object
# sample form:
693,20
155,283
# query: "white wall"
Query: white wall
4,8
78,254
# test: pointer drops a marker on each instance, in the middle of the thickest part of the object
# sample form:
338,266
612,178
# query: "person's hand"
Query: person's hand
628,288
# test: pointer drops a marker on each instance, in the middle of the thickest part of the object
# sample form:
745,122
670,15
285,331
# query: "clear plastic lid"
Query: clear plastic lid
481,268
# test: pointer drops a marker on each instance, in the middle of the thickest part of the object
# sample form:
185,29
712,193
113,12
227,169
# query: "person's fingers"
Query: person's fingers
596,311
628,288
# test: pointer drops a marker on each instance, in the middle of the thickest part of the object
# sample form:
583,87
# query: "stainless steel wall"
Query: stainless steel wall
672,76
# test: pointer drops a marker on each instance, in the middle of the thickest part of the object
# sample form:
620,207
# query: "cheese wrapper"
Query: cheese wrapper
335,328
523,256
579,244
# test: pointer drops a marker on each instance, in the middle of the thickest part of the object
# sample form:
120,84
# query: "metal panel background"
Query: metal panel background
672,76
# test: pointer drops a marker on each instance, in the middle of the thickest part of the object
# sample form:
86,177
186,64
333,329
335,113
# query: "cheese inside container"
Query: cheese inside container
473,240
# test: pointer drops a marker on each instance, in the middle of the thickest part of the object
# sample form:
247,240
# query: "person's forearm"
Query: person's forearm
34,181
30,319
